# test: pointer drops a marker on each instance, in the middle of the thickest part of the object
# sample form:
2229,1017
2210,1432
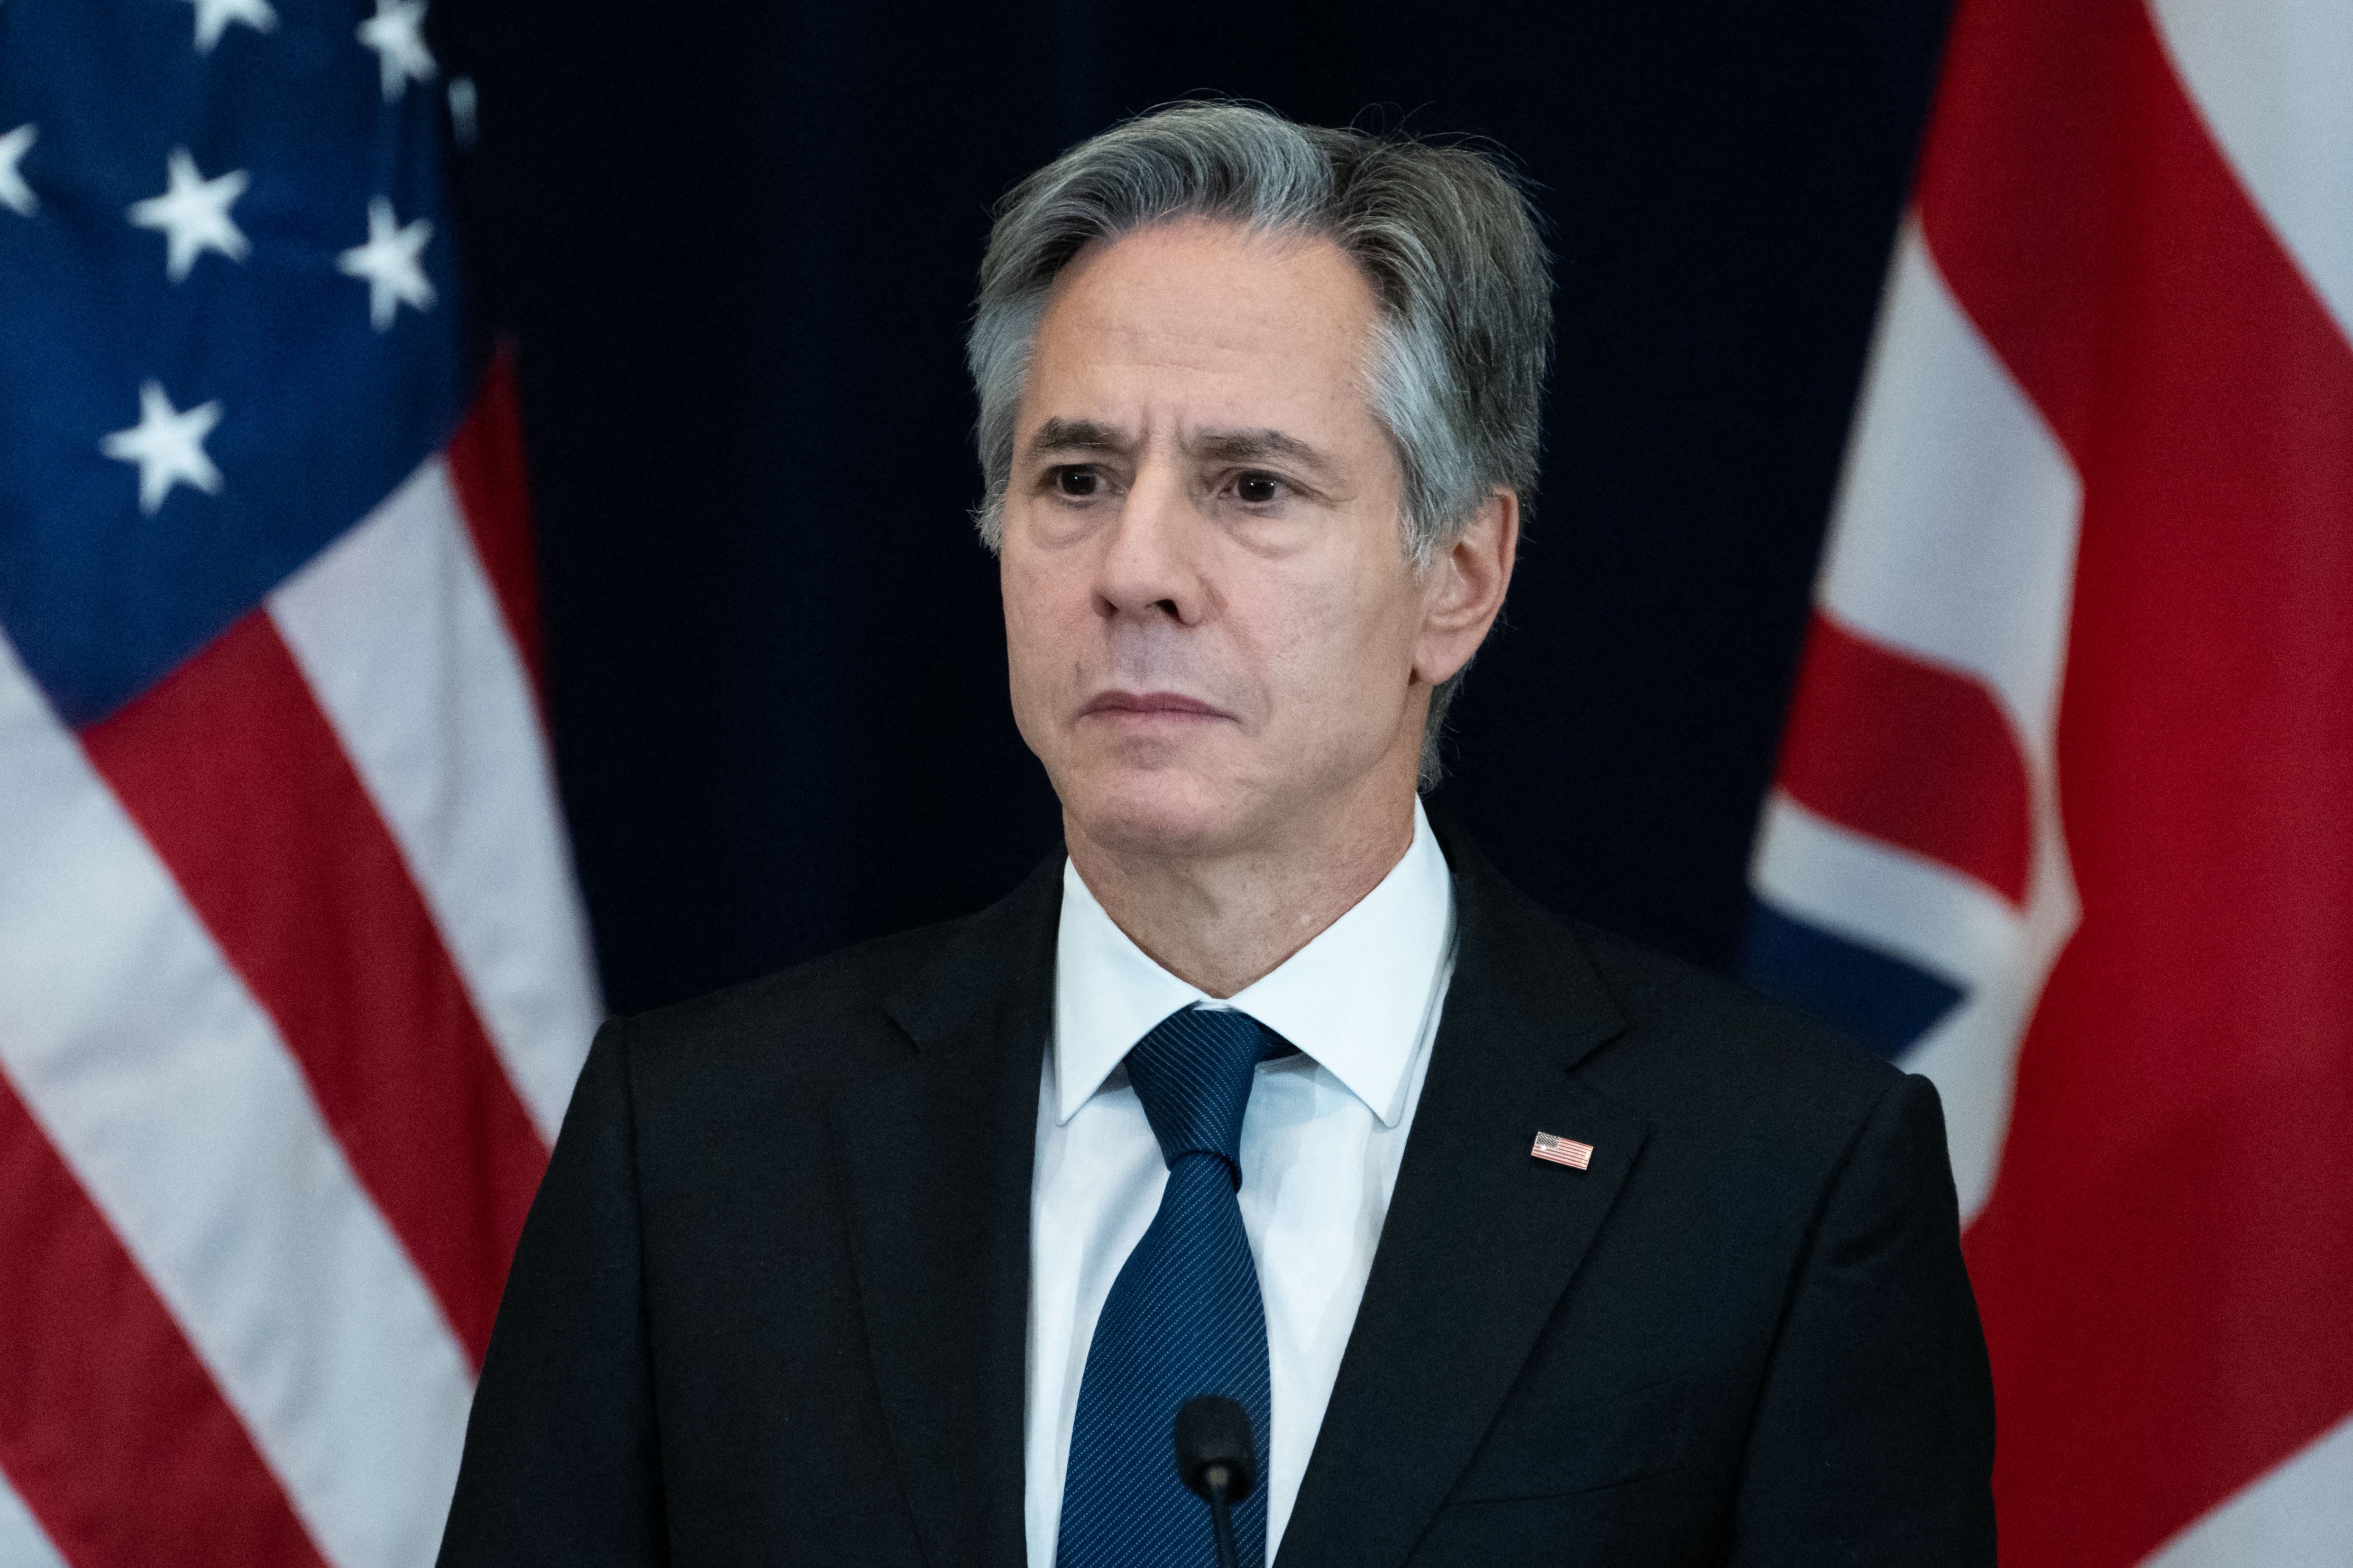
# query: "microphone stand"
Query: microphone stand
1221,1522
1216,1459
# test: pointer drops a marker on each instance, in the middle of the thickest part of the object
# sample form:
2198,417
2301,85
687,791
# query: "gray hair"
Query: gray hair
1445,235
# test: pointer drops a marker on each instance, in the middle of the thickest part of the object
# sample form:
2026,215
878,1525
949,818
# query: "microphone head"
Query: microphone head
1214,1430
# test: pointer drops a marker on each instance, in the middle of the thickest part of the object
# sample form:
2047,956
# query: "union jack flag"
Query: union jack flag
2064,813
294,978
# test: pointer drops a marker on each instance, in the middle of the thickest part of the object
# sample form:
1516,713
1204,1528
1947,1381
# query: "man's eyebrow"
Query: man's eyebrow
1060,435
1255,446
1077,436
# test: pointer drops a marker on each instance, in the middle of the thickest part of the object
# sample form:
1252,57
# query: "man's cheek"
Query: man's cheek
1320,641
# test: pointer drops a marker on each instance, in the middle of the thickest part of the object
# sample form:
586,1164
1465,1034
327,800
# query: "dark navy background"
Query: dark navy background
321,415
736,242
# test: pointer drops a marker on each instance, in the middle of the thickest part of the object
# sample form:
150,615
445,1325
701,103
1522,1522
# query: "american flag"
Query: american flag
1563,1150
294,978
2064,813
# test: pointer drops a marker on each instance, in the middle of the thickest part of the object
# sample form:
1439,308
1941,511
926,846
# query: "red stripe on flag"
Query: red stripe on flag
236,779
2165,1263
111,1429
486,466
1906,752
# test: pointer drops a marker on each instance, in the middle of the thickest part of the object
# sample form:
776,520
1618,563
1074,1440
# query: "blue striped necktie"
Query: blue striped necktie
1184,1318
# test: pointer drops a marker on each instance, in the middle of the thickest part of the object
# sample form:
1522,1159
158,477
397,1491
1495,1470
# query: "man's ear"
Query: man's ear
1464,588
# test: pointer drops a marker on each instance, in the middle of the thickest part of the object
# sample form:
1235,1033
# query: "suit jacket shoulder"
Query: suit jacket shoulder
848,1014
1662,1036
815,1020
1712,1051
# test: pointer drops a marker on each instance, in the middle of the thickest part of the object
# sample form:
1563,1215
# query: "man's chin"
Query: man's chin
1159,822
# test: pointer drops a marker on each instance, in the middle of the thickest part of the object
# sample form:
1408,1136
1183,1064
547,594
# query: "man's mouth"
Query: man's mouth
1149,704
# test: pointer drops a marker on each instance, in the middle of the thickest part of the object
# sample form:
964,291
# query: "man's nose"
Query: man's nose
1151,564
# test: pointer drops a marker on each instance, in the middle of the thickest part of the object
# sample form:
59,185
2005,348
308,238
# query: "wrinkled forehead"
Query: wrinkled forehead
1204,334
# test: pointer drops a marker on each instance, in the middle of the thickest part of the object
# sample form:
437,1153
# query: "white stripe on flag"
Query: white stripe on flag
1954,534
170,1096
22,1542
2299,1515
2271,82
1909,905
1883,897
401,638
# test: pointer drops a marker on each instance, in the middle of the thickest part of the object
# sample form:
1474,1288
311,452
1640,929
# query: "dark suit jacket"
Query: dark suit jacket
771,1304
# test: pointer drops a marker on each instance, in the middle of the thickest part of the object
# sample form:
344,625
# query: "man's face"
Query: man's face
1213,629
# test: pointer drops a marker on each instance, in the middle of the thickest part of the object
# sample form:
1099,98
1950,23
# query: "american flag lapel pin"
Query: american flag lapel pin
1563,1150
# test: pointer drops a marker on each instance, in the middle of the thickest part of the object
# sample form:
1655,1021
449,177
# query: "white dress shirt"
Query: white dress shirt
1320,1146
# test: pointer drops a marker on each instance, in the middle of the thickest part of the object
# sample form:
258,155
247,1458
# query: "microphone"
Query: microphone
1216,1461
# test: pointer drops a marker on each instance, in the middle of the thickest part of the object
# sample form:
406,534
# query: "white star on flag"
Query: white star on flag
15,194
168,445
192,215
394,33
389,263
212,17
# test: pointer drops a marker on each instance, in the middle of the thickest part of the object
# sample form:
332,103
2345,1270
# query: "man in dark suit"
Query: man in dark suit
1510,1239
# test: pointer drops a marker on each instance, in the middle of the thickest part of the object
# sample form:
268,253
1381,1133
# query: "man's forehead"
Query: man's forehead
1207,341
1210,302
1246,249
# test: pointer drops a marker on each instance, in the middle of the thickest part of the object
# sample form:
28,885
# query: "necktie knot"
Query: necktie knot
1193,1074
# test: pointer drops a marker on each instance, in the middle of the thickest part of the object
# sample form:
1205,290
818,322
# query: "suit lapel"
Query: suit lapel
1480,1239
935,1162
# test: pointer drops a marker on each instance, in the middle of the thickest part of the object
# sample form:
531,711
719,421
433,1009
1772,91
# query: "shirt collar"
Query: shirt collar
1356,999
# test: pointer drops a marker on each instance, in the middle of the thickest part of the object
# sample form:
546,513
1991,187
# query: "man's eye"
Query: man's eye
1256,489
1076,481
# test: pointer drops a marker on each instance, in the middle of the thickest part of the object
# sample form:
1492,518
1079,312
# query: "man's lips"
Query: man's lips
1149,704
